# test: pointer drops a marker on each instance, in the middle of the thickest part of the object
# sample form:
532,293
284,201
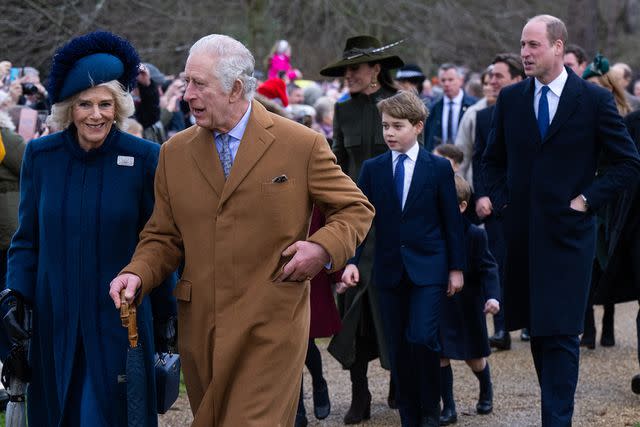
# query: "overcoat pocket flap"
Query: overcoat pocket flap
182,292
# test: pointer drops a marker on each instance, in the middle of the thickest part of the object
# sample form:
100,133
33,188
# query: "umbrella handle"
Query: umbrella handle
129,319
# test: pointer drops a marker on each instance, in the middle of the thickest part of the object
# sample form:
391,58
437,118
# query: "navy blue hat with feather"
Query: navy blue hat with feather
90,60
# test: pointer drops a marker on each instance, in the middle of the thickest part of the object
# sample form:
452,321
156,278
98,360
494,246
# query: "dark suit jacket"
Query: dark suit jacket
550,247
433,126
426,238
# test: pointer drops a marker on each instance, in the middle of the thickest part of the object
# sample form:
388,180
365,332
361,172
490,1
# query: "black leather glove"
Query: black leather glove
15,319
165,333
16,366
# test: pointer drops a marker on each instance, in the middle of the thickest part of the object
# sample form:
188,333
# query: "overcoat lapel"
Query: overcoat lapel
255,141
206,157
419,179
529,114
569,101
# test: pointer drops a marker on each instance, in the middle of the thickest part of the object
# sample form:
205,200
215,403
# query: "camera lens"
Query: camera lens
29,89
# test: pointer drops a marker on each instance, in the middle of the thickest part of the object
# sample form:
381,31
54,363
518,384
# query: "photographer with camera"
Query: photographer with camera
34,95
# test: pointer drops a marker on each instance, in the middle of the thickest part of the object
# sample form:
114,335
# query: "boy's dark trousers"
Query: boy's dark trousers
497,246
410,317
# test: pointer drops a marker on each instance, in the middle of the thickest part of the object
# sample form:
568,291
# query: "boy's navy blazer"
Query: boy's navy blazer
426,238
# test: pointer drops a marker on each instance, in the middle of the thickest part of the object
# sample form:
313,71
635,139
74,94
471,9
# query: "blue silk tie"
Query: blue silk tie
225,155
543,112
398,178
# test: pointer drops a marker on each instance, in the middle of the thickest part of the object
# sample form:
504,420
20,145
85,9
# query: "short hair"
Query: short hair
324,105
577,51
449,66
404,105
235,62
450,151
513,62
463,189
61,112
556,30
626,70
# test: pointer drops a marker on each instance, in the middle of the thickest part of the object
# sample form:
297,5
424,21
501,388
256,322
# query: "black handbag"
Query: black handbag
167,367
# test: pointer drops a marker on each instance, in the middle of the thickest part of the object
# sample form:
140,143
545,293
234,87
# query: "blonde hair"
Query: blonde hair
61,112
463,189
404,105
132,126
608,81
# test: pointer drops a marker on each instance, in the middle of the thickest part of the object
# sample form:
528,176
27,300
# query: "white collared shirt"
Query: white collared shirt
409,167
553,95
457,105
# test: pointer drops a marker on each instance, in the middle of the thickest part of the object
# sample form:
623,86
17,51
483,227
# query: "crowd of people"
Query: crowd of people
406,209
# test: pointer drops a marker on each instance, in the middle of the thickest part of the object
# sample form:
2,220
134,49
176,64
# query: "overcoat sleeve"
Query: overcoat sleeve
160,249
494,161
23,253
347,211
486,266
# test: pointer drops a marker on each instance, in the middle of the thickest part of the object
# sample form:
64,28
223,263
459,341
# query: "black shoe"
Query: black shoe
431,420
501,340
484,406
321,402
448,416
524,335
635,384
588,340
301,420
360,409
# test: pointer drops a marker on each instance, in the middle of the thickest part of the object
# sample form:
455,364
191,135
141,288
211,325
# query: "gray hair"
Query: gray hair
324,105
449,66
61,112
235,62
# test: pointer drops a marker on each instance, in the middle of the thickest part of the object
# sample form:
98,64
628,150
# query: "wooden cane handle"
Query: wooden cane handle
129,319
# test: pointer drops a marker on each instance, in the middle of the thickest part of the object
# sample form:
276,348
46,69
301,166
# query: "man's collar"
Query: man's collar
457,100
556,85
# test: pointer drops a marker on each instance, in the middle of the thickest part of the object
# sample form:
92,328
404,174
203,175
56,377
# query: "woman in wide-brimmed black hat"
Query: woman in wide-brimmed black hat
357,136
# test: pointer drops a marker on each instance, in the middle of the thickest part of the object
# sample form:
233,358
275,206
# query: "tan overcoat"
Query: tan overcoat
243,336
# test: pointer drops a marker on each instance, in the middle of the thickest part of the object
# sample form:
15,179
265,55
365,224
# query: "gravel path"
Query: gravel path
603,397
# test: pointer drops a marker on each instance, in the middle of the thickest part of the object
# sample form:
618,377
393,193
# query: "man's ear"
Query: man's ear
419,126
237,91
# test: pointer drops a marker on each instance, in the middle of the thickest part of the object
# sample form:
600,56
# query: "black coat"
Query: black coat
463,328
618,283
550,247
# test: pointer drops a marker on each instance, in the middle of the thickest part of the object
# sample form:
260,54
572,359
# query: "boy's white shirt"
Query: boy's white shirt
409,167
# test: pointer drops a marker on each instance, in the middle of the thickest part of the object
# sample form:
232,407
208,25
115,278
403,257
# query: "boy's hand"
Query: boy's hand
492,306
456,281
351,275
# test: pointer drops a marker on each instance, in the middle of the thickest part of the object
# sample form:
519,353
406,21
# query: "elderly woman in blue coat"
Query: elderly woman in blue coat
85,194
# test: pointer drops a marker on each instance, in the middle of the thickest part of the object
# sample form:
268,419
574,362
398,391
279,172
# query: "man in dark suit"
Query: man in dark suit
445,115
506,70
547,135
419,254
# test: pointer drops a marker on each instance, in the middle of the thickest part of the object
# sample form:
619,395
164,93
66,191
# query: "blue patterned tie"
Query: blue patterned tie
543,112
398,177
225,155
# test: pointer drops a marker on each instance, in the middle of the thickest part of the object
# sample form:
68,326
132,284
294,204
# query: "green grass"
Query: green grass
183,388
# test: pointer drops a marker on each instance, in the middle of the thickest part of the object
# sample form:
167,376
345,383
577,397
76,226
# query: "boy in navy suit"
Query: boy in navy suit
419,254
463,332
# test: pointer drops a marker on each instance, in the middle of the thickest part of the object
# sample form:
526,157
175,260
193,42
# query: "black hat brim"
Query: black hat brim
338,69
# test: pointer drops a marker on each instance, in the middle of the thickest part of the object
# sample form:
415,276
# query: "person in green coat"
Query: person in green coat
357,136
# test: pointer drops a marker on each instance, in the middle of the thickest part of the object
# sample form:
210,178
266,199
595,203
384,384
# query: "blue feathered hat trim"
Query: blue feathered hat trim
89,60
